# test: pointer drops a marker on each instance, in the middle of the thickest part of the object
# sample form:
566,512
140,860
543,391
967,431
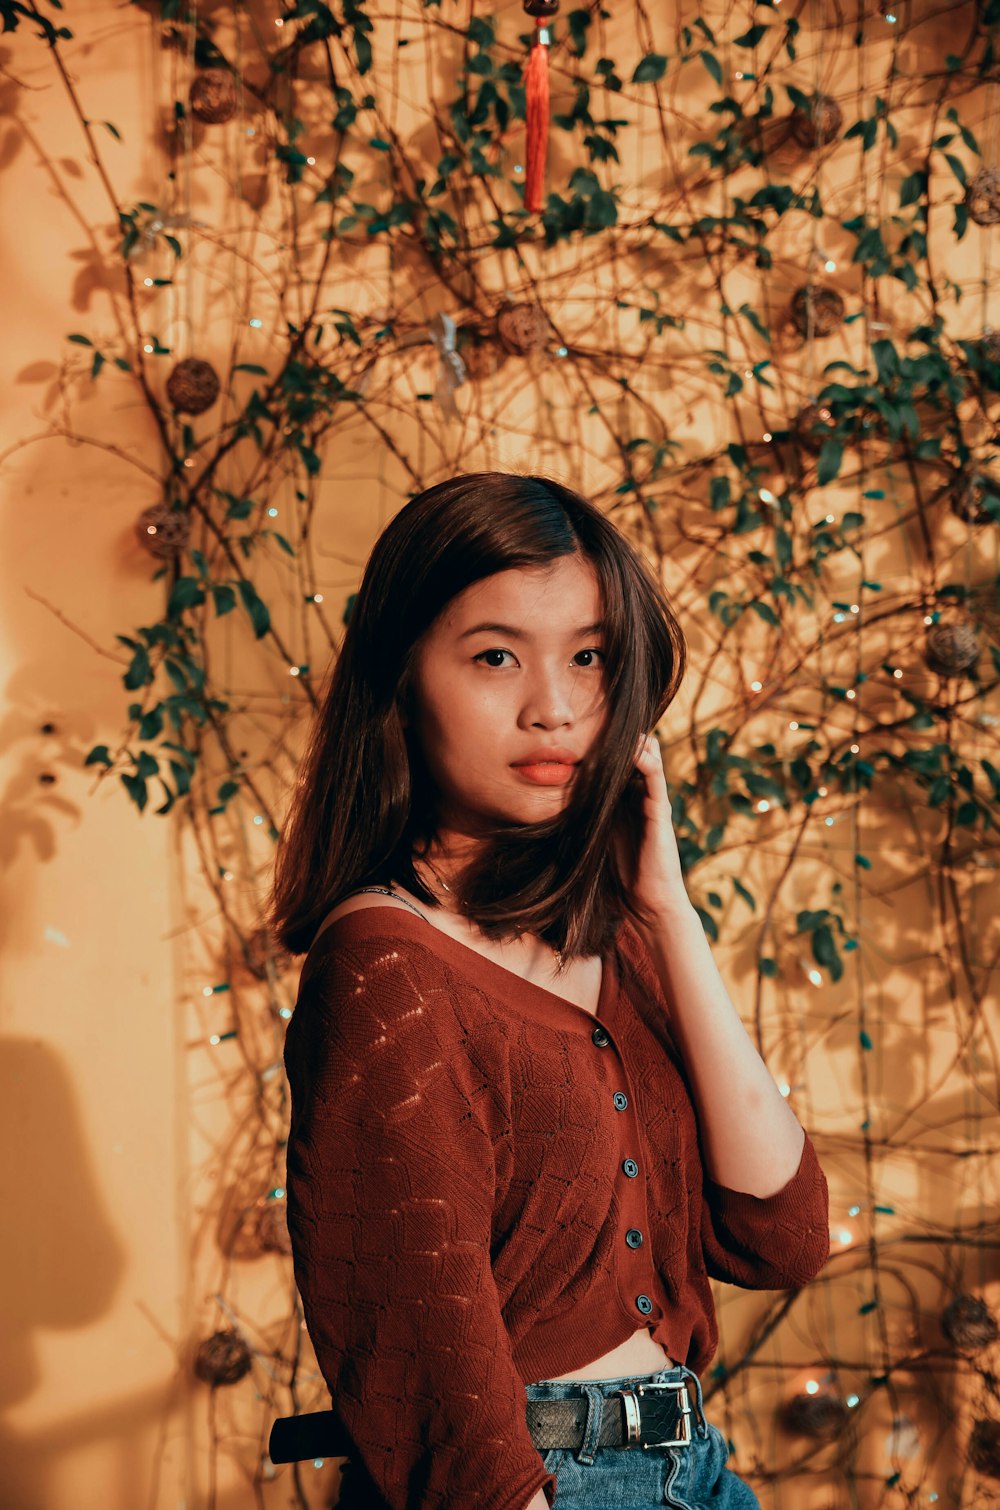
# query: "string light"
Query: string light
766,436
756,686
147,348
258,819
830,265
218,1038
255,324
272,513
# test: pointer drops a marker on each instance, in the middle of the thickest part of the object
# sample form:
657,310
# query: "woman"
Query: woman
527,1123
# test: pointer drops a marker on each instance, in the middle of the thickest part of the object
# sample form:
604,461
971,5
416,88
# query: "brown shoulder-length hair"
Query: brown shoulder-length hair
364,802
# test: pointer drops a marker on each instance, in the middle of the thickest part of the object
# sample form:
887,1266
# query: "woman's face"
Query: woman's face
509,692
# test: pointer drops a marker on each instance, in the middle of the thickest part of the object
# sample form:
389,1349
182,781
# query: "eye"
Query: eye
494,651
591,651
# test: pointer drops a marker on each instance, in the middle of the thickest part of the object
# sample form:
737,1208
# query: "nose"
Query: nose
549,701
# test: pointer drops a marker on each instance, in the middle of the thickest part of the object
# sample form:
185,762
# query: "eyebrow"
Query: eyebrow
519,634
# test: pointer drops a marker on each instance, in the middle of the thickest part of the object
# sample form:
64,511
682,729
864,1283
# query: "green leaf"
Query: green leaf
912,188
251,367
652,67
957,167
719,493
97,364
712,63
752,37
80,340
830,456
101,753
224,598
255,607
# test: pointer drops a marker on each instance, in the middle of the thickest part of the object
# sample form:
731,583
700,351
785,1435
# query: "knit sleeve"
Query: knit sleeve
390,1184
774,1242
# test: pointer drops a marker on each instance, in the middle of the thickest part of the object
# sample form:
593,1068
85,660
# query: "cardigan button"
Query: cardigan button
643,1304
621,1101
634,1237
600,1037
631,1168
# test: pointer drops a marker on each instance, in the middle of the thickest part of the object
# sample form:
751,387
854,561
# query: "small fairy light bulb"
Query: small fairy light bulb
311,161
763,806
748,372
561,351
255,324
829,822
784,1088
766,436
272,513
519,167
897,673
855,608
258,819
855,749
207,991
147,348
293,671
812,1387
284,1011
928,619
830,265
890,17
793,723
850,694
853,1400
845,1235
189,461
280,21
737,75
756,686
227,875
147,282
765,495
815,979
317,597
821,791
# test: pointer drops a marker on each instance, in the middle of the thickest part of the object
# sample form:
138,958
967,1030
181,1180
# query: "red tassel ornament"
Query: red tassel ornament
536,86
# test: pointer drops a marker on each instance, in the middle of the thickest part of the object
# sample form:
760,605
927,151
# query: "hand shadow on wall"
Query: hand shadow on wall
60,1260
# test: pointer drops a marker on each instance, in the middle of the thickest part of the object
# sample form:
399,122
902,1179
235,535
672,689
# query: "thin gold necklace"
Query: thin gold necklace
439,877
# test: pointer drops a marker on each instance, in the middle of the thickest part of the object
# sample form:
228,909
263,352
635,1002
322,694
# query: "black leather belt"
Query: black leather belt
651,1415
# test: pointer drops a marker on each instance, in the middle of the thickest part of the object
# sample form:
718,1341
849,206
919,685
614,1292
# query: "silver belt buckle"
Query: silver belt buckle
633,1420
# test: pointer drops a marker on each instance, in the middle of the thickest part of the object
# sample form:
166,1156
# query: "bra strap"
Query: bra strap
386,892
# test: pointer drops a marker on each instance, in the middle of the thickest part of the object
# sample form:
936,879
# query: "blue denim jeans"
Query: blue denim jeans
692,1477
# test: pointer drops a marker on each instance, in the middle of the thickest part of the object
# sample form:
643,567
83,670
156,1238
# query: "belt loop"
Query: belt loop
701,1424
592,1430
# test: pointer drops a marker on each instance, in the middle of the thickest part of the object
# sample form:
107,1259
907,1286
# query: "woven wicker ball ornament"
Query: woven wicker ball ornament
951,649
817,310
163,531
813,425
522,328
820,1416
213,96
966,498
223,1358
982,197
193,386
967,1321
984,1447
819,125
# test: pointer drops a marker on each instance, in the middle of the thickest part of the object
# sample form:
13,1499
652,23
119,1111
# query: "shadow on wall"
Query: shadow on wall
60,1261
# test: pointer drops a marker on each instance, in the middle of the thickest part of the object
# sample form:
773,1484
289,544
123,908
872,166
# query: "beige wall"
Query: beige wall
122,1125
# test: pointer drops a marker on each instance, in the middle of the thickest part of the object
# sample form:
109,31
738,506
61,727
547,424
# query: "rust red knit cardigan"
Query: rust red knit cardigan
487,1186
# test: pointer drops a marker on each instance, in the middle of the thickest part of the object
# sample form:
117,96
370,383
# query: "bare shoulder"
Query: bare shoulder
355,903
